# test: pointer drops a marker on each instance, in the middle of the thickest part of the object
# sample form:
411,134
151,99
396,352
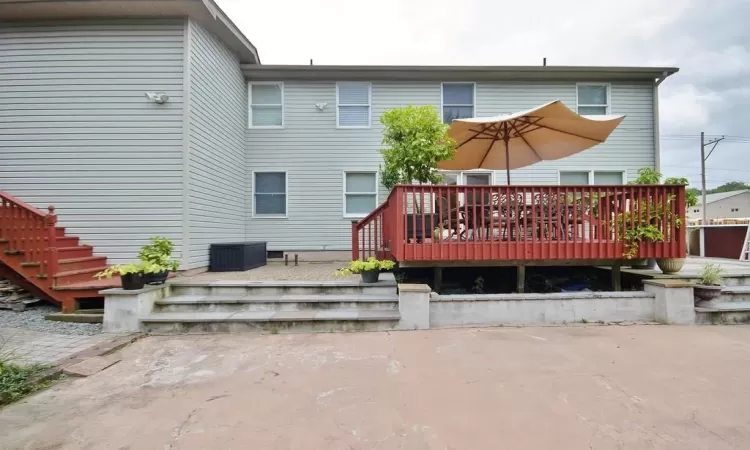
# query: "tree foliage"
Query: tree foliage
416,141
728,187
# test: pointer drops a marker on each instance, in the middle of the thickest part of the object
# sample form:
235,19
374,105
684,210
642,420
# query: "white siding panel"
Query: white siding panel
76,130
315,152
218,115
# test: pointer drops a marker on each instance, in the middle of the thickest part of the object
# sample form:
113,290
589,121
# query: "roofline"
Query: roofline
734,194
462,73
205,12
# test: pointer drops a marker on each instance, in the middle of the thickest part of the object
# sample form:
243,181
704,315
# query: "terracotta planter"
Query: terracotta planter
132,281
706,293
670,265
370,276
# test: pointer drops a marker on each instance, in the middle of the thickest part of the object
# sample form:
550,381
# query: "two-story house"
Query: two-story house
240,150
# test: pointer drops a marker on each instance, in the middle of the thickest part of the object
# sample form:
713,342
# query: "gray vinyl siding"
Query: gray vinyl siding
218,118
315,153
77,132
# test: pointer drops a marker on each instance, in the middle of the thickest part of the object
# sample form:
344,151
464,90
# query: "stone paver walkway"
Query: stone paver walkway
562,388
26,346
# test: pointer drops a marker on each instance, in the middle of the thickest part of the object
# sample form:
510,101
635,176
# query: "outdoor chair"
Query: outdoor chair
450,215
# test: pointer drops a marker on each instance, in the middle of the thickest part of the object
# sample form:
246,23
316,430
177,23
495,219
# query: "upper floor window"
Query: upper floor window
458,101
593,99
353,105
266,105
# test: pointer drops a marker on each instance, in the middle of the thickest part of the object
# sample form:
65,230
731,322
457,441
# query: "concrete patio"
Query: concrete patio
575,387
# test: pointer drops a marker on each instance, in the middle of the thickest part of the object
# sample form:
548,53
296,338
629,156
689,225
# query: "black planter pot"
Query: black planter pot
414,226
155,278
704,293
370,276
132,281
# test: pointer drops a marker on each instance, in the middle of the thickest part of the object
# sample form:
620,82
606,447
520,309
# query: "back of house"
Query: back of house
137,119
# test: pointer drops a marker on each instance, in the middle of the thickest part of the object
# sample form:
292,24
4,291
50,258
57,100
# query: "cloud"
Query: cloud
708,41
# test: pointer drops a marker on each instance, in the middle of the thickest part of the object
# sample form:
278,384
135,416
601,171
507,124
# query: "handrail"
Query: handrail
22,204
31,234
373,233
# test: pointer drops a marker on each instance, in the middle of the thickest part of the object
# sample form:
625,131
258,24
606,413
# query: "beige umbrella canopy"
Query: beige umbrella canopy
547,132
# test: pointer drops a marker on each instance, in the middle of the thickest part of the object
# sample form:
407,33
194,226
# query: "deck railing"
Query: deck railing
30,233
524,223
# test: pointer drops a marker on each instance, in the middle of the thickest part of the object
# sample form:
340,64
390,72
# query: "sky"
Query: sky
708,41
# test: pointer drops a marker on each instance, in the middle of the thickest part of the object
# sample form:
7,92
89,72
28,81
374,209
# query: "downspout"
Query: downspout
186,67
655,102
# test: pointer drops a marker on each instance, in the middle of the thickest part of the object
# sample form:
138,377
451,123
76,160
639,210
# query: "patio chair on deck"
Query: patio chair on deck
450,215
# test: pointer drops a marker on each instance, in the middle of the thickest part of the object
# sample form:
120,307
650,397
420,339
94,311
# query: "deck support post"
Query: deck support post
438,279
616,278
520,279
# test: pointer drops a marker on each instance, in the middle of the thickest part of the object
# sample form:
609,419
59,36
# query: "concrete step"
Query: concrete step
340,320
735,294
284,302
723,313
387,286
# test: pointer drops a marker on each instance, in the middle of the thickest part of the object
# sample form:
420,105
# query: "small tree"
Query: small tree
417,140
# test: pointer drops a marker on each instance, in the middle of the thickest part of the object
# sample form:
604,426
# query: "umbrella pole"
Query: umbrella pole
507,160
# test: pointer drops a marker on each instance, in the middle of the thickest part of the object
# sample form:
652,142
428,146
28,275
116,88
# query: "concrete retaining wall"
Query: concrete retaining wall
516,309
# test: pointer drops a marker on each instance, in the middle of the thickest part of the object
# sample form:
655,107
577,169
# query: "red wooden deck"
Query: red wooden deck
430,225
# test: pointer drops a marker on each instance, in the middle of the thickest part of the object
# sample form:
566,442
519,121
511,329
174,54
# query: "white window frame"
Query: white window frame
344,192
250,104
369,107
609,96
286,196
474,99
461,175
591,174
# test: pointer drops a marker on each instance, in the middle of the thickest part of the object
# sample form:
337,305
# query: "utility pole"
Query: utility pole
704,157
703,177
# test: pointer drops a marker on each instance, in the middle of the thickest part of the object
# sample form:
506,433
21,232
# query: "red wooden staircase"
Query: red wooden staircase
39,256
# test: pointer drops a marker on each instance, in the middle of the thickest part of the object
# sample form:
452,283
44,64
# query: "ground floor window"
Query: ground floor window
360,193
469,177
270,194
595,177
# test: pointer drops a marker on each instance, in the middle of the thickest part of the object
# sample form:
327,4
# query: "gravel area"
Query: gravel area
33,319
321,271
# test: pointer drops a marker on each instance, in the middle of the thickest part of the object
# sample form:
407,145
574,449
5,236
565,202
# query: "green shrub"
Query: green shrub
360,266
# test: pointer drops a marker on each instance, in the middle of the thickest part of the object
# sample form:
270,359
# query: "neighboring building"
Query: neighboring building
243,151
723,205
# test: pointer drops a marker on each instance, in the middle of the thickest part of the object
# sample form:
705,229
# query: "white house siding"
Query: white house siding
77,132
315,153
734,207
218,118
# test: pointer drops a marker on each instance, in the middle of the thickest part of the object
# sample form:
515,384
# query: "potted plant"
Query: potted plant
643,223
674,265
416,141
709,283
158,255
369,269
131,275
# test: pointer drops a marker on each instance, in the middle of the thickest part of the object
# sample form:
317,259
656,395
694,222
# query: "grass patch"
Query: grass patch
17,381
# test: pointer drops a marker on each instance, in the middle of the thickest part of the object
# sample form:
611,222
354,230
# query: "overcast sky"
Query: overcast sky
708,41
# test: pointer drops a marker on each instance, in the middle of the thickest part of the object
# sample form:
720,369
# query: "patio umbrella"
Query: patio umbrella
547,132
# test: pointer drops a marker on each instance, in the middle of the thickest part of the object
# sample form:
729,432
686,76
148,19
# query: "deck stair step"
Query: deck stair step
387,286
735,294
723,312
272,321
283,302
